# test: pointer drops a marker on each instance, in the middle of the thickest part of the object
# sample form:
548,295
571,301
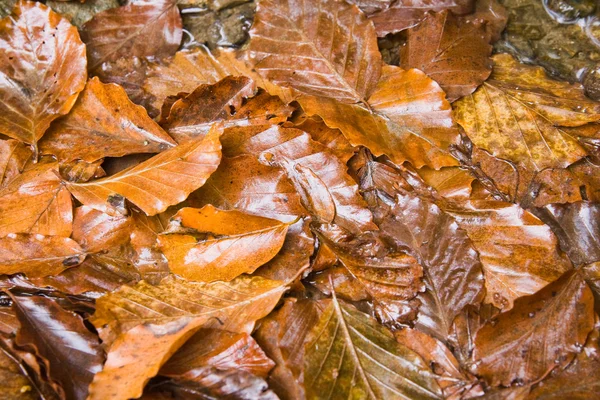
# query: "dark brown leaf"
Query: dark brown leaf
143,28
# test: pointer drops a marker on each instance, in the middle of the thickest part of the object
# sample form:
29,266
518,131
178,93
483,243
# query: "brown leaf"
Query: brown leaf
577,227
193,115
71,353
388,278
81,171
213,383
154,185
396,16
200,66
319,177
97,274
452,52
589,174
542,332
518,252
220,349
452,271
453,381
320,47
333,139
231,243
104,123
36,202
37,255
410,119
42,70
146,324
282,336
13,158
148,259
493,14
144,28
96,231
245,184
518,113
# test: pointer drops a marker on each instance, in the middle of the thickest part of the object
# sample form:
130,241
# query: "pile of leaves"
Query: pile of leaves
293,218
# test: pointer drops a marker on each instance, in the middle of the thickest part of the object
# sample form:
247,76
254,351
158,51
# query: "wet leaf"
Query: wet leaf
519,254
282,336
320,178
138,349
104,123
154,185
193,115
38,255
15,384
220,349
349,355
96,231
452,52
42,70
542,332
321,48
13,158
71,353
36,202
143,28
518,113
231,243
80,13
410,119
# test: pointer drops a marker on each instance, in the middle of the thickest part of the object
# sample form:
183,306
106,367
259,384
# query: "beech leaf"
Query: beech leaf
42,70
233,243
318,47
154,185
348,354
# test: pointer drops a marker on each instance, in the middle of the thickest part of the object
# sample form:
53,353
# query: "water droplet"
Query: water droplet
531,314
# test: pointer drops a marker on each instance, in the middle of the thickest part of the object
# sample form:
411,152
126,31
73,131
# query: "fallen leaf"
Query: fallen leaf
518,113
43,69
148,259
37,255
282,336
518,252
13,158
323,48
410,119
144,28
71,353
174,174
138,349
542,332
395,16
193,115
348,354
577,227
452,52
231,243
219,349
96,231
36,202
80,13
452,271
104,123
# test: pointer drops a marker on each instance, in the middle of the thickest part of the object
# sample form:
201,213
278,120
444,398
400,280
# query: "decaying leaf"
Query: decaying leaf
141,341
154,185
42,70
230,243
15,384
349,355
518,115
